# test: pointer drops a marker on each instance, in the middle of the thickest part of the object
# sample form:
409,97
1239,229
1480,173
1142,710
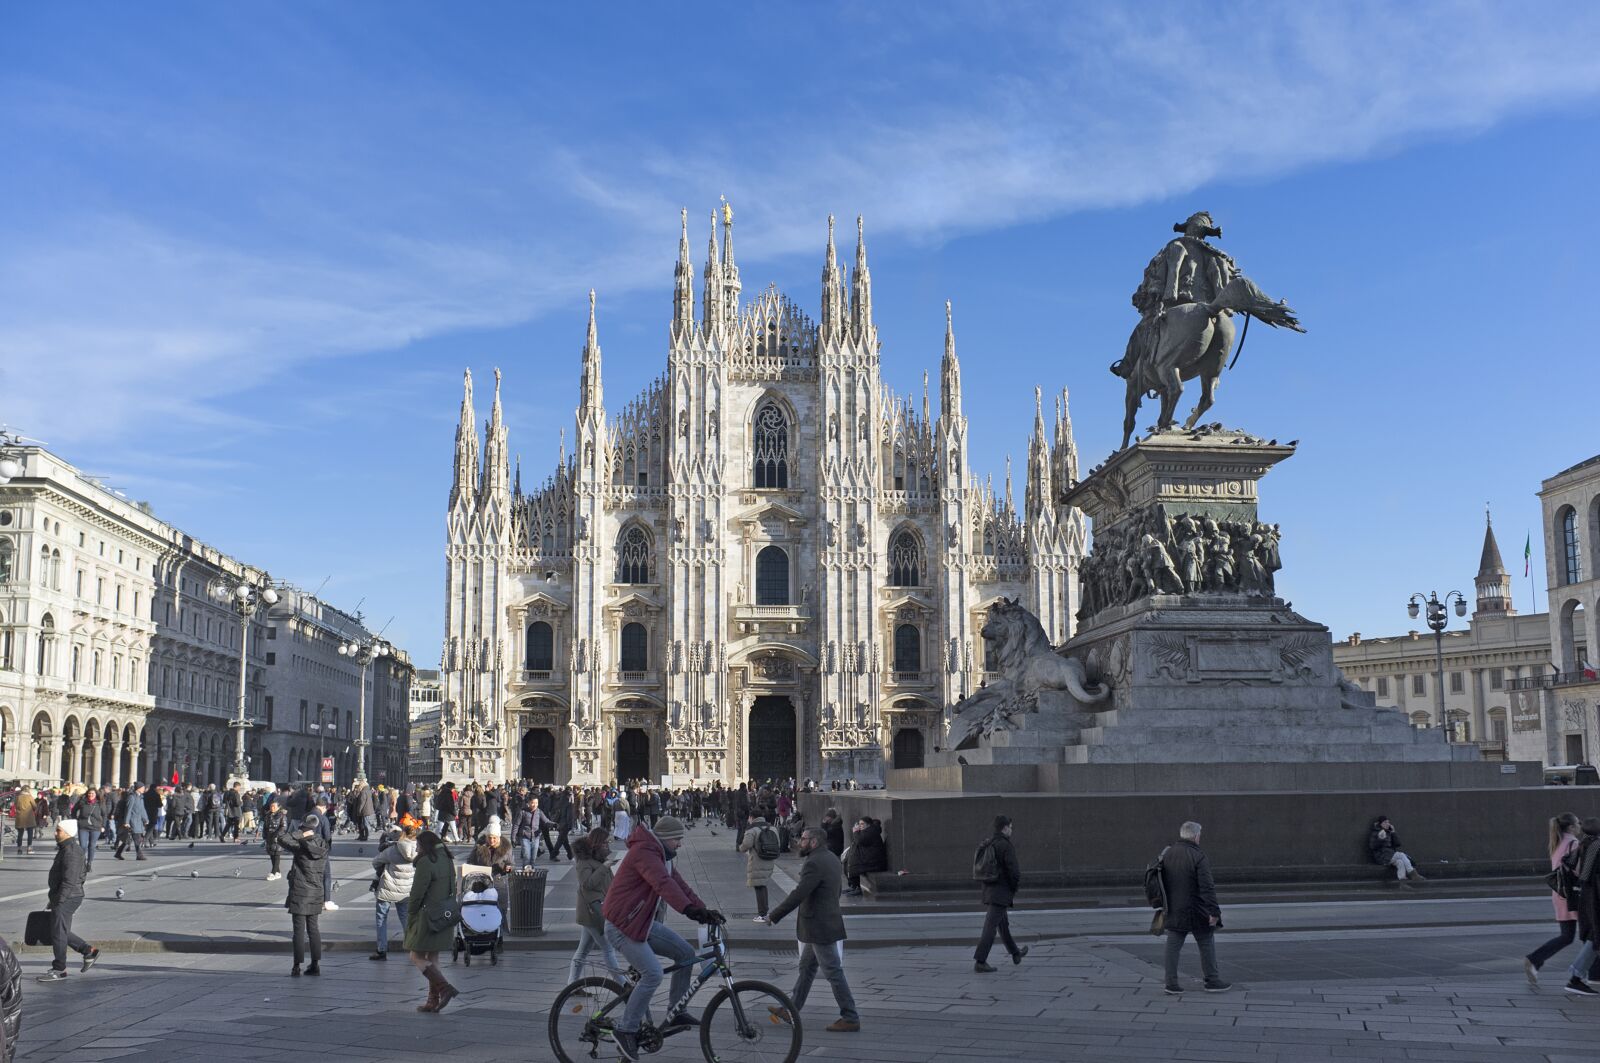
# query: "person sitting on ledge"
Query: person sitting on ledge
1384,845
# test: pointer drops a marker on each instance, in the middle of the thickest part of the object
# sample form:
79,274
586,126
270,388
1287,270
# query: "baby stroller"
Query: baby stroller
479,930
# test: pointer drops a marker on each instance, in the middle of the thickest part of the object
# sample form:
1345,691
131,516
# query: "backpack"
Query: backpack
1155,887
1563,879
985,863
768,845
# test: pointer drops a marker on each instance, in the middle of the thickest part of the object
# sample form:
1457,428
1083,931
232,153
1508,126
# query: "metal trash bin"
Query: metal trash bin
1585,775
526,915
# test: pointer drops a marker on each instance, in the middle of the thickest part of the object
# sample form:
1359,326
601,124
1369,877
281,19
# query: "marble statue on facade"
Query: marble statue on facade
1186,303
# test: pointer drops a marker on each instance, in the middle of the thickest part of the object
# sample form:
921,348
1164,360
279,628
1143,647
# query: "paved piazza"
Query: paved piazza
1419,980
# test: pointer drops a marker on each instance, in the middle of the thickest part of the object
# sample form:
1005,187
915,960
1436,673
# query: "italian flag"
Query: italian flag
1527,555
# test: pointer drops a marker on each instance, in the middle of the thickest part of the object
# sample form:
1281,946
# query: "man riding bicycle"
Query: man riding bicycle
642,881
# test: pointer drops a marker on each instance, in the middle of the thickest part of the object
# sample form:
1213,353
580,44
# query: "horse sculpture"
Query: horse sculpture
1192,340
1027,664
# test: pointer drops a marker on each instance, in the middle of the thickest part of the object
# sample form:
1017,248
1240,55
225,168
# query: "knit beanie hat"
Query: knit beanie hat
69,827
670,828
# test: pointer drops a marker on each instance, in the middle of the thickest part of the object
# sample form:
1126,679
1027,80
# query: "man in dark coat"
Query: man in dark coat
999,894
132,820
152,812
66,894
1191,907
819,928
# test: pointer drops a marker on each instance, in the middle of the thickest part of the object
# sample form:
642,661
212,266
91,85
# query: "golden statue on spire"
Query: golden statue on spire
727,211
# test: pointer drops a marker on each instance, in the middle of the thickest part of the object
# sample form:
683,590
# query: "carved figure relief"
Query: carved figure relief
1181,554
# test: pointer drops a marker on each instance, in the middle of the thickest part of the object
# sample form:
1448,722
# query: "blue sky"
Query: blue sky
246,249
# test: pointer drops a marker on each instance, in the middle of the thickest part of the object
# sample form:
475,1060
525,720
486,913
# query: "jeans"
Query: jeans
1568,933
1401,864
831,959
761,900
327,876
61,935
229,824
589,939
998,920
305,926
382,909
21,831
1206,940
89,839
642,954
125,837
525,847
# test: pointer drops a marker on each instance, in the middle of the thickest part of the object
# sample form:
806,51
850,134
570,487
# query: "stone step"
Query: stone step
1307,717
1306,752
1233,734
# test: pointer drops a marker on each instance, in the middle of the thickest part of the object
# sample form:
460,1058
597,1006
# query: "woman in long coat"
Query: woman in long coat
27,818
310,854
434,881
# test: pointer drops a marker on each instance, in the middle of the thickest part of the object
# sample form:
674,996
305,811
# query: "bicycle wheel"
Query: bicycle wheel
581,1017
740,1027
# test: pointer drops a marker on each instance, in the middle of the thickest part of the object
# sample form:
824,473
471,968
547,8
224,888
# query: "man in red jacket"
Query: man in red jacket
643,879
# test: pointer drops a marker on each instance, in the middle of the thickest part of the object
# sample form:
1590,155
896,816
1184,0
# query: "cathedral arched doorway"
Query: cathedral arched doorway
539,755
908,748
633,755
772,738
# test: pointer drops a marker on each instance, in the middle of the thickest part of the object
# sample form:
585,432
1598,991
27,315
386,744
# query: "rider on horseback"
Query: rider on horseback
1187,270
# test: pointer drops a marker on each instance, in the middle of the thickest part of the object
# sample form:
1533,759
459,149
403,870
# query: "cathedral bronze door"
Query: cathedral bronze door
633,756
908,748
772,739
539,755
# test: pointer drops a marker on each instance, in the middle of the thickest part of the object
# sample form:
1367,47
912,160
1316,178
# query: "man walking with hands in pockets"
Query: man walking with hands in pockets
1191,907
819,928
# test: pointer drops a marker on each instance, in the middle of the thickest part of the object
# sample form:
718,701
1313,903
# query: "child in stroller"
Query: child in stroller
480,928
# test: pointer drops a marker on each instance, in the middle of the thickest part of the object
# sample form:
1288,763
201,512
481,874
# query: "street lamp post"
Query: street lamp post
1438,620
246,595
364,652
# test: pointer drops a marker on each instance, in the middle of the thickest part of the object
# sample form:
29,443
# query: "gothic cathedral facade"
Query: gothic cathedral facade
766,565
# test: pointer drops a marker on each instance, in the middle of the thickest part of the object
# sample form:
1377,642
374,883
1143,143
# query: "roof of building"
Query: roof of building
1574,468
1490,565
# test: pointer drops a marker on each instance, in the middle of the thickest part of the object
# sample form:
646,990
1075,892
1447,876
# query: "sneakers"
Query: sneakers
294,972
843,1026
89,959
329,906
854,891
314,970
379,956
273,876
54,975
1174,990
627,1044
1017,957
1531,971
760,919
982,968
1576,986
781,1014
681,1021
1218,987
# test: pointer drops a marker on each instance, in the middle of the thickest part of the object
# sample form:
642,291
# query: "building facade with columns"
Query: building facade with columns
116,663
1482,664
1556,715
765,565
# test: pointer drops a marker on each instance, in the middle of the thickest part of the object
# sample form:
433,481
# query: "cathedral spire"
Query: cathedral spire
730,269
1009,504
464,484
496,467
516,483
591,397
683,286
1039,498
927,419
832,290
861,287
1493,583
712,300
949,372
1066,449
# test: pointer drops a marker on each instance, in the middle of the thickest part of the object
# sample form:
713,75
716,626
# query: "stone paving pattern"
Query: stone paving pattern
1424,980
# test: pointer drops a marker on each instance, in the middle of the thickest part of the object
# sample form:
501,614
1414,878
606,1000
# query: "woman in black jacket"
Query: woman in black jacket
305,898
868,852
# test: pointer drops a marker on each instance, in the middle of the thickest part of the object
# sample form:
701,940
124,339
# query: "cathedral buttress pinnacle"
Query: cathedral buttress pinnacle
949,374
832,292
464,484
712,299
591,395
861,292
496,461
683,286
1040,500
730,269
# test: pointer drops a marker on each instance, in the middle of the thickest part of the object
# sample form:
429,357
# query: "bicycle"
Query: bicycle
745,1020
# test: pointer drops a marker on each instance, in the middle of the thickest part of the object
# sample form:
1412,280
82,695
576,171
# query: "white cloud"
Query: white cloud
1014,118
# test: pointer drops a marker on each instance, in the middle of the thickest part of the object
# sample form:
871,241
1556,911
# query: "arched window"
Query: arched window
47,633
55,569
633,556
635,655
541,647
1572,561
770,447
6,554
905,561
907,648
772,577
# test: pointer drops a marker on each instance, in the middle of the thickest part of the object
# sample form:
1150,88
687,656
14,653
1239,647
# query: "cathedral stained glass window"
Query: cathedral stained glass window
772,577
633,557
541,647
635,656
907,648
771,447
905,561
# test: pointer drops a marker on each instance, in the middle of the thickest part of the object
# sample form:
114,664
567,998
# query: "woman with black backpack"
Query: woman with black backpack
1563,845
1587,903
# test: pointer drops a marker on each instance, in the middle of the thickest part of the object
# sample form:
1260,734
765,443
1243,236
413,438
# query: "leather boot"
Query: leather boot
446,991
433,998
